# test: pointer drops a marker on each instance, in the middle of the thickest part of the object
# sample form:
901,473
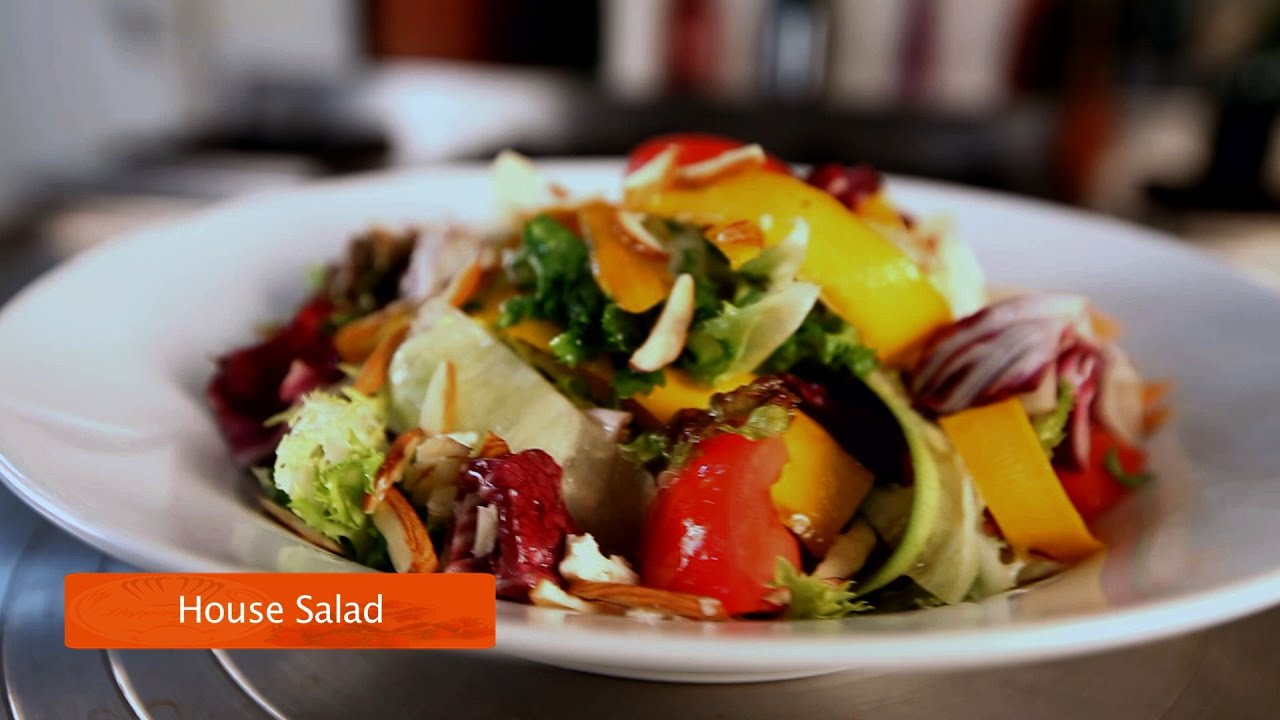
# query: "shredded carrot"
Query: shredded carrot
356,340
373,374
1105,327
465,284
1155,413
493,446
1155,391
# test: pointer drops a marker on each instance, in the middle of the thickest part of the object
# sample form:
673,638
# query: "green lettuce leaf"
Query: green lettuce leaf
814,599
1051,427
327,461
740,339
825,339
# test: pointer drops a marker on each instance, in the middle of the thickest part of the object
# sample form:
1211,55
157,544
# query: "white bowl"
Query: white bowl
104,429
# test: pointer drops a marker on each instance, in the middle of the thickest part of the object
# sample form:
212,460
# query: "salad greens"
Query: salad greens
811,598
327,461
552,271
575,396
1051,427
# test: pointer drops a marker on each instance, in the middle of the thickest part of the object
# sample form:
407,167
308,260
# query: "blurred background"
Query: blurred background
118,113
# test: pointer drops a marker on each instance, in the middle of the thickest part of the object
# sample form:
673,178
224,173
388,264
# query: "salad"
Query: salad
740,392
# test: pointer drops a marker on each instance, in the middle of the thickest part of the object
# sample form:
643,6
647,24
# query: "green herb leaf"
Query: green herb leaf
1111,461
825,339
812,598
645,447
1051,427
627,382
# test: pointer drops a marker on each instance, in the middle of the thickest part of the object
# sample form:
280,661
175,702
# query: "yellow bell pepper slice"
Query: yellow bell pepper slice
1009,466
635,280
864,277
820,487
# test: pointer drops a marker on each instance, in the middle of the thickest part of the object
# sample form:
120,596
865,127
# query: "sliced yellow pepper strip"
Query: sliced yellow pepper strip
1009,466
635,280
864,277
820,487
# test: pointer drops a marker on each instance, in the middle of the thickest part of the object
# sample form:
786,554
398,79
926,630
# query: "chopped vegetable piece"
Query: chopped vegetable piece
713,531
864,278
532,520
1106,479
633,279
691,148
1008,463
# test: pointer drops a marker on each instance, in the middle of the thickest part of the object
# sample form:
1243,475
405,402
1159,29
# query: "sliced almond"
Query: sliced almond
492,446
584,562
285,517
549,595
739,241
694,607
669,333
633,229
656,174
721,166
440,405
399,456
486,531
613,422
373,374
435,469
407,541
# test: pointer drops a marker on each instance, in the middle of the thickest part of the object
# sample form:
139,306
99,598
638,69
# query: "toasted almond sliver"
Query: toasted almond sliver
549,595
656,174
285,517
694,607
373,374
399,456
440,405
669,333
407,541
721,166
641,239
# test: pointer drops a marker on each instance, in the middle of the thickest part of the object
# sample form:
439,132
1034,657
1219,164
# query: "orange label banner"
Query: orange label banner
279,610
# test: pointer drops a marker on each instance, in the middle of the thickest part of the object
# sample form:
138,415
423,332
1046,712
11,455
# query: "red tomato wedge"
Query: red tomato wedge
714,531
692,148
1093,490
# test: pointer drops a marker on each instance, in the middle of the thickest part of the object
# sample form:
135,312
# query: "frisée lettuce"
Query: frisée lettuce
327,460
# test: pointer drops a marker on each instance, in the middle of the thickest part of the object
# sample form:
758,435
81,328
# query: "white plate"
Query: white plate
103,427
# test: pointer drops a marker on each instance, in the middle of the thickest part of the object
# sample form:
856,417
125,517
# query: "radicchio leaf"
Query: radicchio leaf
1002,350
1010,348
258,382
850,184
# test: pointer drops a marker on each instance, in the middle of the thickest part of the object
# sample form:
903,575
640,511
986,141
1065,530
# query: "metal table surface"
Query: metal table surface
1226,672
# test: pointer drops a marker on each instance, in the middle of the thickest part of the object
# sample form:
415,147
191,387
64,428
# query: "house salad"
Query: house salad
740,391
